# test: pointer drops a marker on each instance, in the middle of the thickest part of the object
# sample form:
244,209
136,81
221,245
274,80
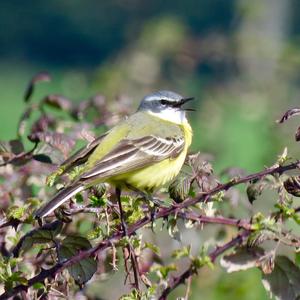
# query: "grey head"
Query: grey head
162,100
166,105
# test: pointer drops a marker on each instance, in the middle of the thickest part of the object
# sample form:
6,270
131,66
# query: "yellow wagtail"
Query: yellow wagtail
144,151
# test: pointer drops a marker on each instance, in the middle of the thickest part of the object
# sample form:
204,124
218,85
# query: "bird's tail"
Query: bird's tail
61,197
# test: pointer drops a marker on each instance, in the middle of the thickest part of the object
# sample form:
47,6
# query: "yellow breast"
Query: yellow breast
160,173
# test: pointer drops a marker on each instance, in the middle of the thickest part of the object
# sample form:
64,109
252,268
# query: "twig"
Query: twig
21,156
162,213
126,255
135,267
192,270
188,288
114,257
9,222
238,180
240,223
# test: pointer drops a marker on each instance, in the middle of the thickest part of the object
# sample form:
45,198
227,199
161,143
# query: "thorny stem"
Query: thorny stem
240,223
192,270
162,213
135,267
130,254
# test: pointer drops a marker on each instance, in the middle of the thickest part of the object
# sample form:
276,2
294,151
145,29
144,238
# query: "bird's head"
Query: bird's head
166,105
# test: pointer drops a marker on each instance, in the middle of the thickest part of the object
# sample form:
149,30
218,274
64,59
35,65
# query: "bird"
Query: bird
143,152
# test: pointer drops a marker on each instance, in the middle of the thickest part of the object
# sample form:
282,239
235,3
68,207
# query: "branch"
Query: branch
201,197
9,222
46,227
162,213
213,256
240,223
23,156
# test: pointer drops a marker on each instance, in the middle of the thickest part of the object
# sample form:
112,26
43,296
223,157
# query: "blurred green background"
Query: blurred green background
239,58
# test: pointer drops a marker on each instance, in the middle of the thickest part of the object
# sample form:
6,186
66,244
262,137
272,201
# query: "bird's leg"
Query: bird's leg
153,209
123,223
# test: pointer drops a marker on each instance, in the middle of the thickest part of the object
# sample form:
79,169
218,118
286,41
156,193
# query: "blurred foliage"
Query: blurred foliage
240,59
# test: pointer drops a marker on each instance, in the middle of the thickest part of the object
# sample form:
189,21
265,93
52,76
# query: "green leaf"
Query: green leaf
98,201
42,235
16,212
13,279
135,215
163,271
99,191
134,295
79,198
39,286
202,259
183,252
86,268
152,247
96,233
136,241
284,282
18,278
52,178
75,172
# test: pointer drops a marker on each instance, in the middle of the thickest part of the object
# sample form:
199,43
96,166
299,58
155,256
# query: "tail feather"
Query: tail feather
61,197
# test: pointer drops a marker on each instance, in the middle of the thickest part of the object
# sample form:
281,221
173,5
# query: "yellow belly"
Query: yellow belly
152,177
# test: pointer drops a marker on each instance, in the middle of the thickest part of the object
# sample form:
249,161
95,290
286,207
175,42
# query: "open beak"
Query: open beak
184,100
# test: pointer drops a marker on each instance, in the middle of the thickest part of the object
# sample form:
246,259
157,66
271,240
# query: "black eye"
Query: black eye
164,102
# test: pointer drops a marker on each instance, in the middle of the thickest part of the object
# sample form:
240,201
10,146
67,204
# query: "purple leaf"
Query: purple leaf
43,76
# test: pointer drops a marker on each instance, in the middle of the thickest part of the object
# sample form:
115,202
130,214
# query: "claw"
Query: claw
153,212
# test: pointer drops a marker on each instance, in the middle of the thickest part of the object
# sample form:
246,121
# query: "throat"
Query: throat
171,115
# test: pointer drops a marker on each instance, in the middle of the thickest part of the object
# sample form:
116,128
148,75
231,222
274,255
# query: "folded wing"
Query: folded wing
133,154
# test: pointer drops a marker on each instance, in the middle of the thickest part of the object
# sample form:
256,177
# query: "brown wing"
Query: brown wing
82,155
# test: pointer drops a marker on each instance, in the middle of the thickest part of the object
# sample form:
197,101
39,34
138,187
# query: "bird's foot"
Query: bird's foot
124,228
153,213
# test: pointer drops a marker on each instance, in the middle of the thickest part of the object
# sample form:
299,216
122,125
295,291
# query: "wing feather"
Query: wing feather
132,154
82,155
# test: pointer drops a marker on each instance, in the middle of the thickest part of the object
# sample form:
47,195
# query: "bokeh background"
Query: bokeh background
239,58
